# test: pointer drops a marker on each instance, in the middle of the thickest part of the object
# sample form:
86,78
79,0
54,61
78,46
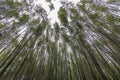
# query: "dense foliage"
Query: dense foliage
83,45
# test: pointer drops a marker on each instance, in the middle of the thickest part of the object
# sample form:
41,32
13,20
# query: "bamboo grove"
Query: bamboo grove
83,45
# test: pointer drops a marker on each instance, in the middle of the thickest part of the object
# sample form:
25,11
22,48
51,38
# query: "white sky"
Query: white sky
53,14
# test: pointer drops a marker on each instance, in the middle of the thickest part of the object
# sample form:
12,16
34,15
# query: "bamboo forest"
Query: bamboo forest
59,39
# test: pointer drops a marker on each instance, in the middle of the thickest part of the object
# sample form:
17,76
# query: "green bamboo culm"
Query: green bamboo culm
83,44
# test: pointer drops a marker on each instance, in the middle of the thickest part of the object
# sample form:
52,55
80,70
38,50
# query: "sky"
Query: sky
53,14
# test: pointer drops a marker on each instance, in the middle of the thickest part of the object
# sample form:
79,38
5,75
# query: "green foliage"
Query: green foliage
62,15
24,18
48,0
15,42
56,27
94,16
35,21
51,6
99,8
13,4
112,1
40,43
83,2
1,25
12,13
112,18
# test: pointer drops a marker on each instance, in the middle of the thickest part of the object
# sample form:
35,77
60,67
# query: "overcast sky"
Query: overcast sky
53,14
